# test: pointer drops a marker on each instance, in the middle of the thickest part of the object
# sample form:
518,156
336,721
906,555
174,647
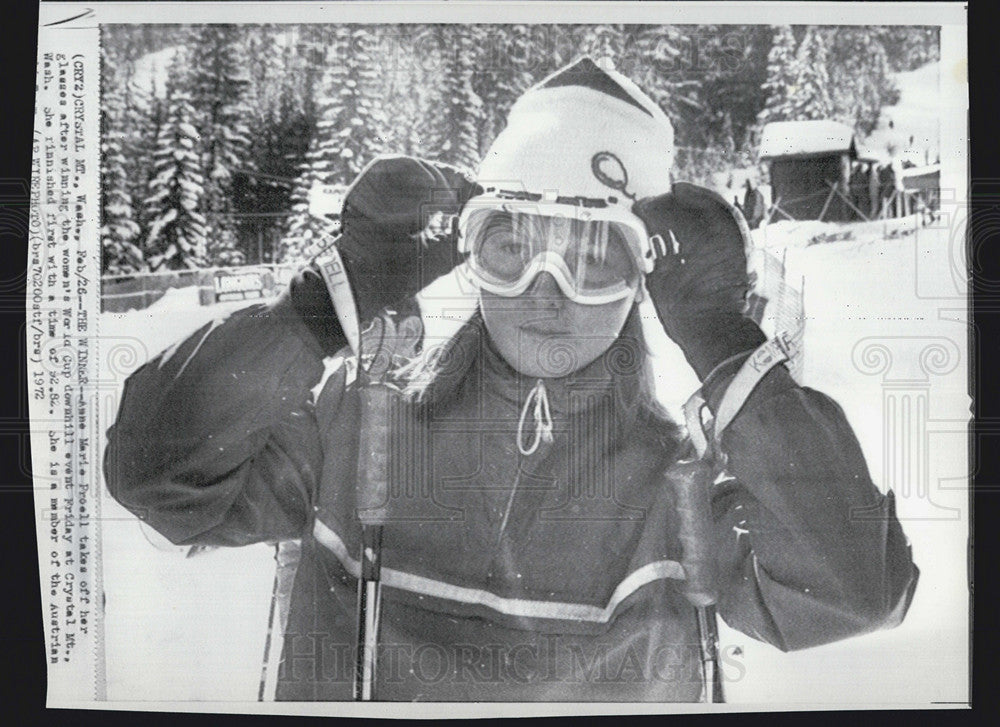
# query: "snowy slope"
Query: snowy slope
917,114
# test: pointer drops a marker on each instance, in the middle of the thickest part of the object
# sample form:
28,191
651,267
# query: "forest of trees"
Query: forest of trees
213,135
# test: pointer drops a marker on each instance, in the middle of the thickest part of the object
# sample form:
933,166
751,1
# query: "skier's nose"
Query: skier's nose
545,287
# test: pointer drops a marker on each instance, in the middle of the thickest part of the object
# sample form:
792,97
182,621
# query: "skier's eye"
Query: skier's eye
609,262
500,250
503,244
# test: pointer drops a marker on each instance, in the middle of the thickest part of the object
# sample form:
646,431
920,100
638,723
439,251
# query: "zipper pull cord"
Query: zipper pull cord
543,419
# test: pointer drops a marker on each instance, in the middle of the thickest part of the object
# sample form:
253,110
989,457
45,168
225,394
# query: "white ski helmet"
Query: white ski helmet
580,124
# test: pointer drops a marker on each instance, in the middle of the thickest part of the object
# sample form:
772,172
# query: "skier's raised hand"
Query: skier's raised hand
699,286
389,242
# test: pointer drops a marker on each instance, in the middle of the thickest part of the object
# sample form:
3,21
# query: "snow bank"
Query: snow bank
803,233
790,233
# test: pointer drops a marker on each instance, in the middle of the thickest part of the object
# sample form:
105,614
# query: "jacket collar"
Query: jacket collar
569,395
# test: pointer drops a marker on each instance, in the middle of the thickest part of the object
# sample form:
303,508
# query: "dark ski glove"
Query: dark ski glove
699,290
388,249
387,244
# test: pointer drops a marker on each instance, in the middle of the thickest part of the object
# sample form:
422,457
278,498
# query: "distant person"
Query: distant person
873,190
886,188
765,191
897,166
753,205
858,188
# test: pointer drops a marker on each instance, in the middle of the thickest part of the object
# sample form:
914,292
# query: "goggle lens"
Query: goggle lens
594,255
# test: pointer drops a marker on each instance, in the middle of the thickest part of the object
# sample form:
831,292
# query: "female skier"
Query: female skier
531,544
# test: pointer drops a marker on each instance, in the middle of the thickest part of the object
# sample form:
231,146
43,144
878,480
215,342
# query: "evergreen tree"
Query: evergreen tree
143,117
731,90
398,82
456,126
782,76
176,235
859,77
797,85
129,127
811,96
658,70
281,125
349,130
119,230
601,42
504,73
222,95
423,56
908,47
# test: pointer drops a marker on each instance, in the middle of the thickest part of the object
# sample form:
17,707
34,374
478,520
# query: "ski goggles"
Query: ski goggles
597,252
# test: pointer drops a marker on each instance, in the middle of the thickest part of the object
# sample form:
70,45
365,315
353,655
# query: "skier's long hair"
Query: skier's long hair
433,380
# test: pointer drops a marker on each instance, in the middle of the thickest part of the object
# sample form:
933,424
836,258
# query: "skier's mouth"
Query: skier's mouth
546,327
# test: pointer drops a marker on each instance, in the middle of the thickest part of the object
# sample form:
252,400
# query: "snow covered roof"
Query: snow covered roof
801,139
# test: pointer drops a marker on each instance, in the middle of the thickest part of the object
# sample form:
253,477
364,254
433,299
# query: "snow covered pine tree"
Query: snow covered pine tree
177,233
349,130
221,96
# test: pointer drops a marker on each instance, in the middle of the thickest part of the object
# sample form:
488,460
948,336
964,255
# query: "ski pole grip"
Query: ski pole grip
373,452
691,481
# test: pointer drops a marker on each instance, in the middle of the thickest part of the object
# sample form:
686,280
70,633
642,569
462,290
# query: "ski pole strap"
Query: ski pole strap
778,350
331,267
693,409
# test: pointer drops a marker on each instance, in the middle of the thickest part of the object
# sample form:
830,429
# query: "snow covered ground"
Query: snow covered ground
885,335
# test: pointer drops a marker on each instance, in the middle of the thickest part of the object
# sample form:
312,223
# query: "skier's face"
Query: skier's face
543,333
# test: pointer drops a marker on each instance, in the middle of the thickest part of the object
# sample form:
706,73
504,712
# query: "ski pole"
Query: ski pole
708,636
373,444
691,480
369,613
373,493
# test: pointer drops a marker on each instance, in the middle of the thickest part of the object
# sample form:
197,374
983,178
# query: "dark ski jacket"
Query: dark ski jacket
553,576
